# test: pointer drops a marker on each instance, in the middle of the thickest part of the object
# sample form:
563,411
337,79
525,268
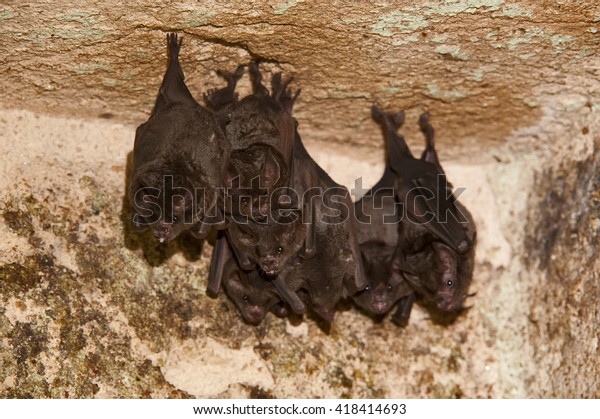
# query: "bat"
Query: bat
178,160
279,233
379,217
251,293
323,276
423,189
260,129
386,284
257,127
329,267
431,265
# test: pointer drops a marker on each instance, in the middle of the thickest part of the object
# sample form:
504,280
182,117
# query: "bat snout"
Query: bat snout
448,302
380,306
253,314
269,265
163,233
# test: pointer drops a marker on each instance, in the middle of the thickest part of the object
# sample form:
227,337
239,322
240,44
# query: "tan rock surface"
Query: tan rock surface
89,309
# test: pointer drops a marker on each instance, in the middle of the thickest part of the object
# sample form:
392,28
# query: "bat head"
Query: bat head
251,294
450,276
250,178
272,242
385,283
168,205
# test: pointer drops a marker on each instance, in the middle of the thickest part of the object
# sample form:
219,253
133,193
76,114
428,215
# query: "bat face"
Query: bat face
252,295
385,282
441,274
167,211
270,244
251,177
453,274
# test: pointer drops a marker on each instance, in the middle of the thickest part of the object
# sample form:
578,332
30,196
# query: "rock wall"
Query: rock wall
90,309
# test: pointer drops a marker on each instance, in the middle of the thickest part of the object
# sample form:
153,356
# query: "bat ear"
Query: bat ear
446,257
364,259
232,177
270,171
236,281
397,268
178,202
137,222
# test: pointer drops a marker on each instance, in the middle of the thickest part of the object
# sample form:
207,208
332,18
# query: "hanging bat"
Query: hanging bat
252,294
386,284
257,234
178,160
287,254
260,129
328,266
424,191
432,266
379,217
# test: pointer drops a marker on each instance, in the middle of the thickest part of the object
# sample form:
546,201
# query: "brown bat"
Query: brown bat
437,264
179,157
379,216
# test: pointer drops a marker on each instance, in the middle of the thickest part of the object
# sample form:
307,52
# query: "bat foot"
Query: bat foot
217,98
256,77
280,92
173,45
389,119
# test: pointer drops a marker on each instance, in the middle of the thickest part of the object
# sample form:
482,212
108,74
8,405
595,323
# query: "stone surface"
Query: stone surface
89,309
479,66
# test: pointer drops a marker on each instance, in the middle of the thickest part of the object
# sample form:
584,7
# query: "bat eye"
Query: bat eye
449,283
245,298
389,287
368,288
175,219
280,249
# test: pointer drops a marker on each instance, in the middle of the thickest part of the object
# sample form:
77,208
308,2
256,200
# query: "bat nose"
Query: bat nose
448,303
162,233
254,314
380,307
269,264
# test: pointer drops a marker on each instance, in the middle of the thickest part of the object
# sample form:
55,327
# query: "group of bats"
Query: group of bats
289,238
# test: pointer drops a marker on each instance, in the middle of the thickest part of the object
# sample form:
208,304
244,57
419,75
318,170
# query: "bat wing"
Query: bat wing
220,255
437,211
289,296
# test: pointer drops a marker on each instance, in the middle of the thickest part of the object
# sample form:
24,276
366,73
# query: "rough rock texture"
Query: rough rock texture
89,309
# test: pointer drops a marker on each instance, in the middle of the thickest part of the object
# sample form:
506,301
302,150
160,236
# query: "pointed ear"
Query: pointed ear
179,203
289,231
364,259
232,177
446,257
137,223
397,267
224,120
270,171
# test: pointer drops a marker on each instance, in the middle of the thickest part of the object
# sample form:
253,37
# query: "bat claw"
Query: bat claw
256,77
218,98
